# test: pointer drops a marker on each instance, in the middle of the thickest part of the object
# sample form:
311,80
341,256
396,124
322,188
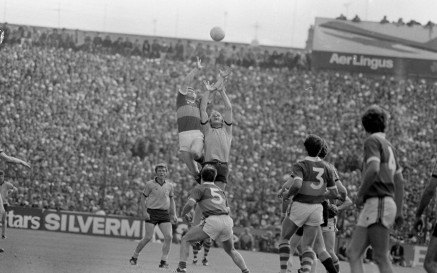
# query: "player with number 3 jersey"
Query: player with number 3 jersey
380,195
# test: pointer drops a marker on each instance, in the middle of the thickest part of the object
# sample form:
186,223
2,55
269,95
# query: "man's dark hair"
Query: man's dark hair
161,165
374,120
313,145
209,173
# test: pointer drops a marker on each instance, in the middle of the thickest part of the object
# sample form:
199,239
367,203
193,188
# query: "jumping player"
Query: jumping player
312,183
430,264
188,118
217,224
381,193
159,209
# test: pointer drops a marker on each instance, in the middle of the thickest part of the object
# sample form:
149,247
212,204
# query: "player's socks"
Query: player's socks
284,255
337,265
307,261
135,255
182,265
196,249
206,247
245,271
329,265
163,264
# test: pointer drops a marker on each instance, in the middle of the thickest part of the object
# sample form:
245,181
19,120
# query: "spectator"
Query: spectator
342,255
397,253
246,240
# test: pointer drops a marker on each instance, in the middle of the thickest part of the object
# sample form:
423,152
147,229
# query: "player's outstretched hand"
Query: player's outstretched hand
418,224
225,71
173,219
209,87
25,164
199,63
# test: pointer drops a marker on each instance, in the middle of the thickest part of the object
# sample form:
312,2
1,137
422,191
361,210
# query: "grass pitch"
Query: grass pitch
28,251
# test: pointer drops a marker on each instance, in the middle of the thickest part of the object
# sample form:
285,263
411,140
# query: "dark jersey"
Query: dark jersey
211,199
188,112
377,148
317,176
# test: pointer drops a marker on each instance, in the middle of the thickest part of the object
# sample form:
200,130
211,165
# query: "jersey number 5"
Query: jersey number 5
217,198
319,184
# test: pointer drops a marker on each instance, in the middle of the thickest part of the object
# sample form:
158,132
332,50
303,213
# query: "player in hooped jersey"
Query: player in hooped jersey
188,119
311,183
217,224
430,263
381,193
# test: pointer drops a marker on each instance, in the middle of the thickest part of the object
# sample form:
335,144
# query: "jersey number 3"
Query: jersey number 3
217,198
317,185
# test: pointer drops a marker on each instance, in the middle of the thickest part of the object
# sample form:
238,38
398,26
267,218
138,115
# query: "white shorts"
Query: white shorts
219,227
186,139
331,225
306,214
378,210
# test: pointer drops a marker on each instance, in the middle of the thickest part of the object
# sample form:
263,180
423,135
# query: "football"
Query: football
217,34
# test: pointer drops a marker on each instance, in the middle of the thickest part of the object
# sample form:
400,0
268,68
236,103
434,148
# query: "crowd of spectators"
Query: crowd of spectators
93,123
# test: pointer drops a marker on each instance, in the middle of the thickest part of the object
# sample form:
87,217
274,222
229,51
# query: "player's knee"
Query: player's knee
380,258
353,255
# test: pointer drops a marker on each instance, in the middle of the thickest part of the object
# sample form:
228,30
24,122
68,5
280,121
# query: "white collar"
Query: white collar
208,183
379,134
313,159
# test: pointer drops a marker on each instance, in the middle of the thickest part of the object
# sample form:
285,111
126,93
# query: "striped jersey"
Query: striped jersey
211,199
188,111
317,176
378,148
158,195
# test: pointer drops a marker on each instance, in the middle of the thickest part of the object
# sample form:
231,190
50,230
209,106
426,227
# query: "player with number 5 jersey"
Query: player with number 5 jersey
380,195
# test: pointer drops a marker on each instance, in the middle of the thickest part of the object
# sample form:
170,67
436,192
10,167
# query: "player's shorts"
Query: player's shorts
158,216
306,214
219,227
186,139
6,207
331,225
222,170
378,210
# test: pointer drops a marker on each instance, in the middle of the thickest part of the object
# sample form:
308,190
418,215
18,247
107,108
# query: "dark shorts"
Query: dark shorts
222,170
435,231
158,216
6,207
299,232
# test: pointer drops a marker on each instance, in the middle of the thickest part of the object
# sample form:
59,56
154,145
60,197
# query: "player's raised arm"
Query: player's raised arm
14,160
204,102
227,115
188,80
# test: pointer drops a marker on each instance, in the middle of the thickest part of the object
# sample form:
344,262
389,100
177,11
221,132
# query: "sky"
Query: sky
271,22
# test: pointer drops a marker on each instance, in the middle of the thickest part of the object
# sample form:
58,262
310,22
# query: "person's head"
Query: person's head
2,177
313,145
161,170
374,119
209,173
216,119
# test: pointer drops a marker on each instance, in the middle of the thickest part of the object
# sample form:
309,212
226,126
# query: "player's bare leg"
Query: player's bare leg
309,237
228,246
322,254
329,240
358,245
195,234
150,228
166,229
188,159
430,264
379,240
